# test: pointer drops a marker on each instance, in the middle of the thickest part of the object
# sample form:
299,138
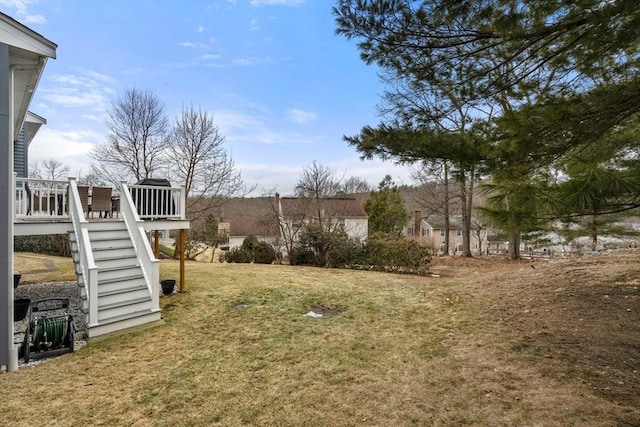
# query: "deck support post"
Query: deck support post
181,240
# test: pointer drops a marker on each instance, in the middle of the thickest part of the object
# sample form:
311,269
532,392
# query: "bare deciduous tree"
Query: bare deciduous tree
137,138
199,160
317,181
49,169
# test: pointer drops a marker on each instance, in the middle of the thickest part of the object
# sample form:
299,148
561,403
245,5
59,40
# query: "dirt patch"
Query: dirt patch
571,318
327,311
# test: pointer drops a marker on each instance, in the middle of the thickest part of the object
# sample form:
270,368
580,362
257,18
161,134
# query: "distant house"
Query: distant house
431,230
280,219
251,216
344,212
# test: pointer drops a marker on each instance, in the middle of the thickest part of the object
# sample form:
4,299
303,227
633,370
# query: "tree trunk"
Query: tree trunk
467,203
514,245
446,208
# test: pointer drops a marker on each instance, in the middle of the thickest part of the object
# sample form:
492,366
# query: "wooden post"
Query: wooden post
156,245
181,239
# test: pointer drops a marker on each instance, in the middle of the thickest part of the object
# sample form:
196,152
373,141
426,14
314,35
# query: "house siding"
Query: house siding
20,157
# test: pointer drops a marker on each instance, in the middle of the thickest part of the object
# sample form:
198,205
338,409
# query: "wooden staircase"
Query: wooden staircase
124,295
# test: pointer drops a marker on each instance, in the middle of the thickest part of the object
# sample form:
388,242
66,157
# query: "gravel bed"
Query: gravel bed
39,291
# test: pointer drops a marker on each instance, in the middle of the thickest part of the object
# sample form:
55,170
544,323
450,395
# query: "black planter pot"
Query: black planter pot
167,286
16,280
20,308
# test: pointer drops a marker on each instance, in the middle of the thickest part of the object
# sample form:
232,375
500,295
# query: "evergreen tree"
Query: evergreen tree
386,209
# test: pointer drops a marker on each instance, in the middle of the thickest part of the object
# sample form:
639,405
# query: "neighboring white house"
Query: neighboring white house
431,230
275,219
344,212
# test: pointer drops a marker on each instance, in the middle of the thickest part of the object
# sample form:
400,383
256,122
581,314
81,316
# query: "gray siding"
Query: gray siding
20,154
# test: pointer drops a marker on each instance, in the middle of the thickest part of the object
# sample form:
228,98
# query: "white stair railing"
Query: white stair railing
85,254
148,263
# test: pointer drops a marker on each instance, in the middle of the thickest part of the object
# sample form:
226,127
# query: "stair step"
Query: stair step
101,282
122,297
122,290
122,309
118,273
132,301
125,322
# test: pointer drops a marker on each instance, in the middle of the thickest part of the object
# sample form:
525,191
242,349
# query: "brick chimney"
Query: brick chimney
417,232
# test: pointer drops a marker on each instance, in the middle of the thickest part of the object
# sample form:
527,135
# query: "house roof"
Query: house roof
335,207
252,215
247,225
28,53
437,222
33,122
258,215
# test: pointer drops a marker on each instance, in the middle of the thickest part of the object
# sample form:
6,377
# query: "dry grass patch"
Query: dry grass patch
37,268
237,349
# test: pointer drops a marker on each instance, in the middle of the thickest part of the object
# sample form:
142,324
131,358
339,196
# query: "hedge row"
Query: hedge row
323,248
334,249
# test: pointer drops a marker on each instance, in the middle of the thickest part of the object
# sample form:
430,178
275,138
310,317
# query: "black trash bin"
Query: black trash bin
153,202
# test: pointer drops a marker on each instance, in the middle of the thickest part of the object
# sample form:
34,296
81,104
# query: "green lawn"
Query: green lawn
236,349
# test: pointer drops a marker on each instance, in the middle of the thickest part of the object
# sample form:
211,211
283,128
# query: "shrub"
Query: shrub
239,255
252,250
400,255
332,248
302,256
263,253
55,244
250,243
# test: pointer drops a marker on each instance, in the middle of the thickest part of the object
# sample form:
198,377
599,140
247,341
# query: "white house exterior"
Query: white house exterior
344,212
116,269
430,230
23,55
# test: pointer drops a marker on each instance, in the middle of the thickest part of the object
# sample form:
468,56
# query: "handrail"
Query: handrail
148,263
155,202
85,254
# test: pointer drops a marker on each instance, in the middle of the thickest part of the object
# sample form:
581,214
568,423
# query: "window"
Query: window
424,232
409,231
442,233
341,223
458,232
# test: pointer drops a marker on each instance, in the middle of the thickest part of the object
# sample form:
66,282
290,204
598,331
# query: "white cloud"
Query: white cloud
186,44
301,117
72,148
22,11
269,178
34,19
372,171
72,90
209,56
201,29
255,25
239,127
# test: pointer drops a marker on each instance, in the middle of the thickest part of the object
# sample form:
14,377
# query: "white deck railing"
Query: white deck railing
47,199
41,198
154,202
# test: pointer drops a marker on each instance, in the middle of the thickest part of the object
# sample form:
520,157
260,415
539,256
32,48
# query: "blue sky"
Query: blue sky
282,87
